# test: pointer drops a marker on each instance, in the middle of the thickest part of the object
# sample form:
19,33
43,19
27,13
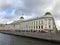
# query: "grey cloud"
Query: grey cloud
56,10
34,6
29,7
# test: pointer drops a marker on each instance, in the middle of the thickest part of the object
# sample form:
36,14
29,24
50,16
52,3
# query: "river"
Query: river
6,39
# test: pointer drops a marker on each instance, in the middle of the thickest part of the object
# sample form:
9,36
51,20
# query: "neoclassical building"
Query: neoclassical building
44,23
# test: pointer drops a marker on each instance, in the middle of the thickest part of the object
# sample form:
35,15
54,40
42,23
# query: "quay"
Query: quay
36,35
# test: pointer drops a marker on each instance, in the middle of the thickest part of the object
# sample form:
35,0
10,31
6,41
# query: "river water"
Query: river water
18,40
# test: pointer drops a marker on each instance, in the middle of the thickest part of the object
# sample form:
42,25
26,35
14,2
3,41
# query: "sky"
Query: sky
12,10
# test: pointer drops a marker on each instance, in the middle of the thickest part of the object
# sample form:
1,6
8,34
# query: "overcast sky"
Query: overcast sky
11,10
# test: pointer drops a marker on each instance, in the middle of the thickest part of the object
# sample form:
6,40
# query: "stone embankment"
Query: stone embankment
48,36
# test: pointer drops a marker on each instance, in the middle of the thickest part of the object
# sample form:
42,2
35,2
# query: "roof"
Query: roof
21,17
48,14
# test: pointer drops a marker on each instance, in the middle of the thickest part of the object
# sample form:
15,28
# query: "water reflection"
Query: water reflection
17,40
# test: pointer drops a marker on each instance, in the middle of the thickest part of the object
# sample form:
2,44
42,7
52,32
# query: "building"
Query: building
44,23
2,26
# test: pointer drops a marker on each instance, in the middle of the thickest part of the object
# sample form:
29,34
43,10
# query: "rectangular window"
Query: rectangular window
34,22
41,26
41,21
49,26
49,20
36,27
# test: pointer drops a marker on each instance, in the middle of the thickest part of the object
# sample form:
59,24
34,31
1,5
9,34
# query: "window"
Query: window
42,26
39,27
49,20
36,26
34,22
49,26
45,25
41,21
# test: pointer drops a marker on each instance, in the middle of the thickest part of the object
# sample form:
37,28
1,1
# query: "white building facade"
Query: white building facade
45,23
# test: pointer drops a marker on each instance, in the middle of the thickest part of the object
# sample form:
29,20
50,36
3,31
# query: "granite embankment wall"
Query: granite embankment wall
39,35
